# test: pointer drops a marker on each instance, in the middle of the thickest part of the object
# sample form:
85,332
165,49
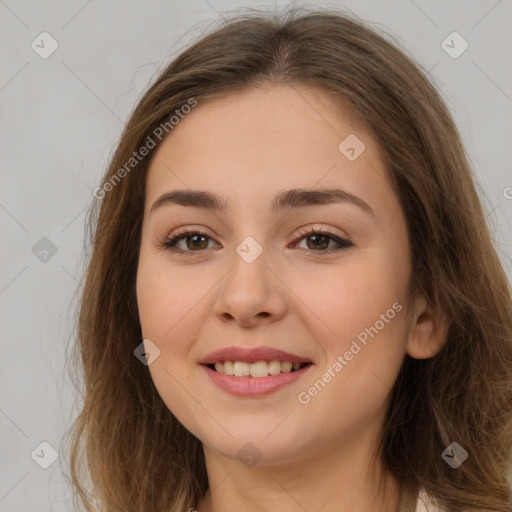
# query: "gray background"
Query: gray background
60,120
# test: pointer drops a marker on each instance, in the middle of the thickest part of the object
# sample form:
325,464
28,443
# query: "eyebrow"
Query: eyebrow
294,198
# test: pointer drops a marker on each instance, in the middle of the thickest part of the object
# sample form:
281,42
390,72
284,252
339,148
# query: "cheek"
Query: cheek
169,309
173,307
352,297
166,297
365,314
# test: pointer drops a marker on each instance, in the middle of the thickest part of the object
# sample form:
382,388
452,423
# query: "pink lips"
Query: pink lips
252,386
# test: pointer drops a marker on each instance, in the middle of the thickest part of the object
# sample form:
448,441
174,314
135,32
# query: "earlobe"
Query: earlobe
428,331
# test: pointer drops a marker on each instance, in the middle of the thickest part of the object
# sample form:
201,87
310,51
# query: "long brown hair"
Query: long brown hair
135,452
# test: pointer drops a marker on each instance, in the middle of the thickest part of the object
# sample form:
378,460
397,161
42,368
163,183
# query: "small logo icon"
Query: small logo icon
44,250
454,45
44,45
249,455
147,352
352,147
249,249
44,455
454,455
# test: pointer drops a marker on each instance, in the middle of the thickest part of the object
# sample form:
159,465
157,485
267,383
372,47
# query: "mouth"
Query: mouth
261,382
252,372
258,369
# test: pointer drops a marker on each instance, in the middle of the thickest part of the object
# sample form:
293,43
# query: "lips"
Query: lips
254,372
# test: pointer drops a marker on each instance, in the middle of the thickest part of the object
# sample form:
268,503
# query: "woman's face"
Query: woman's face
321,276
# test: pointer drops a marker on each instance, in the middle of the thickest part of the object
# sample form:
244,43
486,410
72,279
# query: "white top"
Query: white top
424,503
421,503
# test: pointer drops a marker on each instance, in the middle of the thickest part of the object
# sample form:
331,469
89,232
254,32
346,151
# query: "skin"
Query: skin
247,148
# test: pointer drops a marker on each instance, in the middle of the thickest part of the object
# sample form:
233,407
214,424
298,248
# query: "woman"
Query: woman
293,301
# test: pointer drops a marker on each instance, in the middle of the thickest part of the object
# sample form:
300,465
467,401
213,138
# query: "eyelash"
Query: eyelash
169,243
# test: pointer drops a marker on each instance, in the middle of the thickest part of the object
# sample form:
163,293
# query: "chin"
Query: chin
256,442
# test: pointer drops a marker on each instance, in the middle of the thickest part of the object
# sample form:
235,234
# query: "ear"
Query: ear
428,331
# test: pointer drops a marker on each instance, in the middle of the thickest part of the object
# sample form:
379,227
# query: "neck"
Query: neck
348,480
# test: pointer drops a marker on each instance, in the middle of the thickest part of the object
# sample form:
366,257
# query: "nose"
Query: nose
251,293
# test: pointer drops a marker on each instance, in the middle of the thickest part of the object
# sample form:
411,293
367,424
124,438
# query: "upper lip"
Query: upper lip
251,355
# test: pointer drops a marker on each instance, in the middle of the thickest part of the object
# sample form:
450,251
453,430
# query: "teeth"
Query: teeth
241,369
228,368
258,369
274,367
286,367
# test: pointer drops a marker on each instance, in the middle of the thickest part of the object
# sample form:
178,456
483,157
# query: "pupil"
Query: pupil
197,238
316,237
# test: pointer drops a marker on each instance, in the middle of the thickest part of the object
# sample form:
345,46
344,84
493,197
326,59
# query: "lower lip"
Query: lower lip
254,386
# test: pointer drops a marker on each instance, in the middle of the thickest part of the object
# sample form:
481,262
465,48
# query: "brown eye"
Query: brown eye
318,241
197,242
194,241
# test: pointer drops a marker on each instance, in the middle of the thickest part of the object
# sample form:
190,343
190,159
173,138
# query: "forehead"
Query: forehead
253,143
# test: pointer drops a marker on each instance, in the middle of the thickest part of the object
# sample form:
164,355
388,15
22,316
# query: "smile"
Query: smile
258,370
255,386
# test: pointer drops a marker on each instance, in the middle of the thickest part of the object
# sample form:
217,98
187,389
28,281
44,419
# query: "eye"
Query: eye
197,241
320,240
